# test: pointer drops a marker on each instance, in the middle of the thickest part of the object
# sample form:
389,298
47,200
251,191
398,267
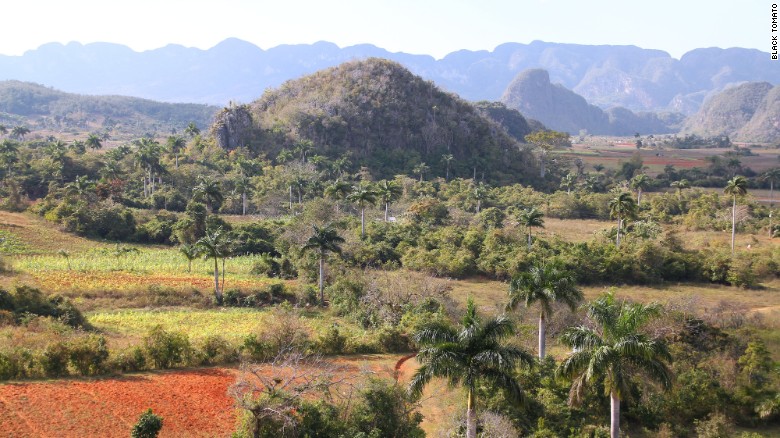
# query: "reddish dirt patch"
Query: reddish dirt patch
192,403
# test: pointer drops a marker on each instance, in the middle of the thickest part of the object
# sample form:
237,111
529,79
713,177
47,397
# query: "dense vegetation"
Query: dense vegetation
308,201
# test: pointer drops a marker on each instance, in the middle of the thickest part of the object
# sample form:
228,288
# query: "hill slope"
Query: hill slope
607,76
748,112
39,107
532,93
385,117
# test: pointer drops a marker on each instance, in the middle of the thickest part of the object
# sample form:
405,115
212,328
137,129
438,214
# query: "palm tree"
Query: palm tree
530,218
243,185
468,356
94,142
148,158
612,350
479,193
544,284
191,253
680,185
303,147
215,245
622,207
3,129
338,191
388,191
175,145
447,158
421,169
209,190
192,129
80,187
324,240
771,175
568,182
362,194
78,147
640,183
18,132
736,186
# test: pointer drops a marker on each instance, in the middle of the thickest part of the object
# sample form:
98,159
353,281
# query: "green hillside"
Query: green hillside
46,109
384,118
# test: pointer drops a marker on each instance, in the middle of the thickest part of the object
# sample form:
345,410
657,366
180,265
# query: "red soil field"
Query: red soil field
193,403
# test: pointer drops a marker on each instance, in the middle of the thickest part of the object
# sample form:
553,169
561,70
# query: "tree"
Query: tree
568,182
147,156
736,186
175,145
192,130
324,240
148,425
622,207
680,185
210,191
612,350
468,356
773,176
546,141
338,191
447,158
3,129
191,253
421,169
215,245
361,195
530,218
640,183
388,191
303,147
18,132
94,142
243,185
479,193
545,284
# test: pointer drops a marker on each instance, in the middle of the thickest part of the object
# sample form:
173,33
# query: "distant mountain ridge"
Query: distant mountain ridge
235,70
561,109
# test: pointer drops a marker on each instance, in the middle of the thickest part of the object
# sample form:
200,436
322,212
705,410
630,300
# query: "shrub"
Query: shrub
15,364
148,426
88,354
54,359
166,349
332,342
216,350
393,340
129,360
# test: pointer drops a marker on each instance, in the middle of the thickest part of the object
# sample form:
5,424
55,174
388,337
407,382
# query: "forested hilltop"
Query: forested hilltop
46,109
383,118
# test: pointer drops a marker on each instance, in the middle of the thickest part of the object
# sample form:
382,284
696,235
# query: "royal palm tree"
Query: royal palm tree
215,245
3,129
640,183
148,158
545,284
324,240
175,145
388,191
622,207
421,169
362,195
479,193
680,185
209,190
569,182
18,132
469,356
447,158
303,147
736,186
530,218
190,252
338,191
192,129
613,349
771,175
243,185
94,142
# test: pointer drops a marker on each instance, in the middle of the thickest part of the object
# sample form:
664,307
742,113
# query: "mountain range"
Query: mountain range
234,70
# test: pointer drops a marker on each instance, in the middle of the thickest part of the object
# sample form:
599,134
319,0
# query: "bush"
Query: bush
88,354
166,349
16,363
332,342
216,350
148,426
393,340
129,360
54,360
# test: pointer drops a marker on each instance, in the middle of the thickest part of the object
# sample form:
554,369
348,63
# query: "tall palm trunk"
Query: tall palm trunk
471,417
362,222
322,277
617,238
217,292
542,335
243,204
529,238
639,196
614,423
223,273
387,206
733,222
771,204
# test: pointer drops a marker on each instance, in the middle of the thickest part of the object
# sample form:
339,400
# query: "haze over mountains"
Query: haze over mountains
607,76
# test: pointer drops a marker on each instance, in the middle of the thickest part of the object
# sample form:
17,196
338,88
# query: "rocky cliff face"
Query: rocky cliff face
232,127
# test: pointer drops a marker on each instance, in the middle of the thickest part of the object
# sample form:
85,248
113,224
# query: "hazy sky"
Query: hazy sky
434,27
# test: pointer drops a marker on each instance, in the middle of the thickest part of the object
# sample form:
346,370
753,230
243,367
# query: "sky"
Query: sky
432,27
